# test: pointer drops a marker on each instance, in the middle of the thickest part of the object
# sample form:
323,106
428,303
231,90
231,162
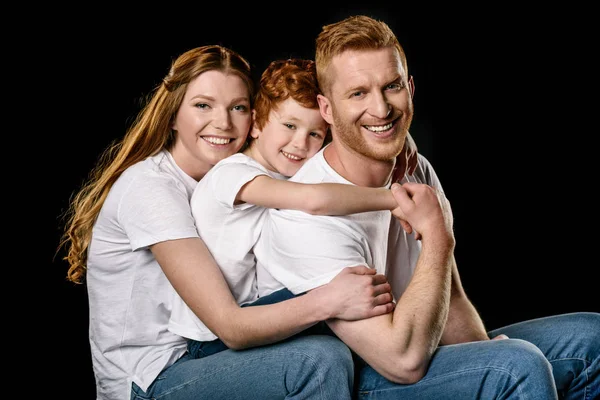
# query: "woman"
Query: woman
131,237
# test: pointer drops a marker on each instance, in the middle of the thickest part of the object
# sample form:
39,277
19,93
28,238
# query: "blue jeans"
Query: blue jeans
203,349
546,358
307,367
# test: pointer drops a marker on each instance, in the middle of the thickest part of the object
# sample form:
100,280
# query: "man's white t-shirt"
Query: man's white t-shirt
301,251
229,231
130,298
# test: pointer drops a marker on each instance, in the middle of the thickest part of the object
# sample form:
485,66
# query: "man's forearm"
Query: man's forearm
464,323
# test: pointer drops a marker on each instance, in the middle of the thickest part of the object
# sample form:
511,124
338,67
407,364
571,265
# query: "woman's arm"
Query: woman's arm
355,293
317,199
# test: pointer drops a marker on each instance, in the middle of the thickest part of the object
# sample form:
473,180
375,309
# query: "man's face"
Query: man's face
369,104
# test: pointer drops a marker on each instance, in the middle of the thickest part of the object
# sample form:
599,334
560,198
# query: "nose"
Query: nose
380,107
222,120
300,140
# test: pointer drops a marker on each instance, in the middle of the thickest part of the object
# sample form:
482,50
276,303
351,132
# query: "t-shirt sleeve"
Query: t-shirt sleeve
228,179
303,251
153,209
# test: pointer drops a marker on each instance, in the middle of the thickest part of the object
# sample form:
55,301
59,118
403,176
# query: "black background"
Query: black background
504,109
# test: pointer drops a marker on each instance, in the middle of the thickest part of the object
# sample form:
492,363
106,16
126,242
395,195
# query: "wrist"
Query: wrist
322,308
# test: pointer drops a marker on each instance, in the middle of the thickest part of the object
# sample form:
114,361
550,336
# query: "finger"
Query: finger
360,270
500,337
382,299
382,309
406,226
379,279
383,290
401,195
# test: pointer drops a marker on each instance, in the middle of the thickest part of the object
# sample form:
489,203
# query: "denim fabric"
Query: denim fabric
308,367
204,349
546,358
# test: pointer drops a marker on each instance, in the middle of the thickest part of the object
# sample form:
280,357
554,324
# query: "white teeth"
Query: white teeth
291,156
216,140
379,128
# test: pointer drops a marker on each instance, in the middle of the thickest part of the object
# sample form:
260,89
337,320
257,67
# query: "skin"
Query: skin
212,123
292,135
370,91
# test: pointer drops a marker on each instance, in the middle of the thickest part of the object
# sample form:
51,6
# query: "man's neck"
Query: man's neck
356,168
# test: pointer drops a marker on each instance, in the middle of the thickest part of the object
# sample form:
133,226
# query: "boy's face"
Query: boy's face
292,135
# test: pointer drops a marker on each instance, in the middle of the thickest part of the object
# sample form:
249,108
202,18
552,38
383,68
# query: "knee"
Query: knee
326,350
522,358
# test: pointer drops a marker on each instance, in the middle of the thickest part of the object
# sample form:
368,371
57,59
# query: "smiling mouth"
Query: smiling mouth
379,128
291,156
217,140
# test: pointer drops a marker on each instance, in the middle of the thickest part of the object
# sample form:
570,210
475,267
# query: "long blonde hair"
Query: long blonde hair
149,133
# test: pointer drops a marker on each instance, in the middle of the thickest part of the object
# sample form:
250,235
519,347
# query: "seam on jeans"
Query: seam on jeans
229,367
455,373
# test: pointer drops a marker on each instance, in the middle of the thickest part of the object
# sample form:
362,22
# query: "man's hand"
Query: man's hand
407,160
357,293
423,207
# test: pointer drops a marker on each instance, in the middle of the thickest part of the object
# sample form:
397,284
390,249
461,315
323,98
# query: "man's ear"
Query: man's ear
325,108
411,86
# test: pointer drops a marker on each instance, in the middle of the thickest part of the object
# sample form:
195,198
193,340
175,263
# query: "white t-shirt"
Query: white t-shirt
129,295
302,251
229,231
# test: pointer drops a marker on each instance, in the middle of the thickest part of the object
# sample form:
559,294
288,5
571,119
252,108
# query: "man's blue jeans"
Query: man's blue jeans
545,358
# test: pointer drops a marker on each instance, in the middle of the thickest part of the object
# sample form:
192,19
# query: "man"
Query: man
434,344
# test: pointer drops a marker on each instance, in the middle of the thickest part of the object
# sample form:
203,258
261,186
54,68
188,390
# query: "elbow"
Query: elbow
233,342
315,206
406,370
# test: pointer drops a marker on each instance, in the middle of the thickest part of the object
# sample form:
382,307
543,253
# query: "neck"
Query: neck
357,168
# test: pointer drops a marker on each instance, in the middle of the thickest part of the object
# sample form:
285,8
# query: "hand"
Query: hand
359,292
502,336
407,160
423,207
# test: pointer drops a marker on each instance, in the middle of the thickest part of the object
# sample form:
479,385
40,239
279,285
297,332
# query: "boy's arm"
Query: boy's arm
317,198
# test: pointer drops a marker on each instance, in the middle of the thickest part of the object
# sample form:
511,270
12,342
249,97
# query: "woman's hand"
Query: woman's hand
356,293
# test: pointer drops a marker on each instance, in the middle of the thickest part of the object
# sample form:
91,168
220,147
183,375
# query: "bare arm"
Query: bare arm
464,323
399,346
317,199
356,292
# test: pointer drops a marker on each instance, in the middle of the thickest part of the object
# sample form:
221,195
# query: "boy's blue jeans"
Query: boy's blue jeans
545,358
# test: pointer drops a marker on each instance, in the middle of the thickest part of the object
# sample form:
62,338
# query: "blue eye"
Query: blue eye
202,106
315,135
290,126
240,108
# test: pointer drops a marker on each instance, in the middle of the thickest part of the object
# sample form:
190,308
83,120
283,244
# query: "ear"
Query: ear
325,108
411,86
254,131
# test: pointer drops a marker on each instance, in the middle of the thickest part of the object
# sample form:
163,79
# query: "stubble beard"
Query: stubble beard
351,136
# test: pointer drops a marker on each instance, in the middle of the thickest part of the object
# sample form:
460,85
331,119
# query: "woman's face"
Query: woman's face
212,122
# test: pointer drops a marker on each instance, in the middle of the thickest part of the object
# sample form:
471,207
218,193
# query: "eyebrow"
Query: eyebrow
236,100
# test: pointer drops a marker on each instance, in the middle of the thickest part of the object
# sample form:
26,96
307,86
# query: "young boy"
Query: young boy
230,203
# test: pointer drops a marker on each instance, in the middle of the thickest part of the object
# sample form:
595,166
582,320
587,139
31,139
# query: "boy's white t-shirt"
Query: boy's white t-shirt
229,231
130,298
301,251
